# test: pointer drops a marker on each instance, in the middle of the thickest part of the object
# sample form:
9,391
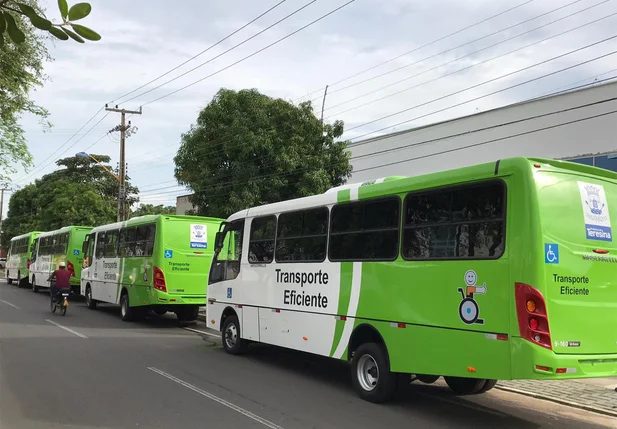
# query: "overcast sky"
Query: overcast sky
141,39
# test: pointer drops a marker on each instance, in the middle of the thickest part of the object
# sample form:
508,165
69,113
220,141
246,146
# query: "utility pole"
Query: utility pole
1,212
323,104
123,129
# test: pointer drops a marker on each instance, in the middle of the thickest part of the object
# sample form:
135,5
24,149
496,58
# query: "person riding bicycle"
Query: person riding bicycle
63,280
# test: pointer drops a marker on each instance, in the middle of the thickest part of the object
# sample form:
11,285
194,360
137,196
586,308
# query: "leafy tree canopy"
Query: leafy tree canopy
151,209
80,193
249,149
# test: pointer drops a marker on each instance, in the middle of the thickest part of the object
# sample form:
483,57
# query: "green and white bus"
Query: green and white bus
19,258
51,248
496,271
155,262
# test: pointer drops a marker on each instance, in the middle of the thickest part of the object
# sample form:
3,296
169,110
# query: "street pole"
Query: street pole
323,104
1,212
122,168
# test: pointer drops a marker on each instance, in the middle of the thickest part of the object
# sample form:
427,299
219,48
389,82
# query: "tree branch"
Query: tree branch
3,6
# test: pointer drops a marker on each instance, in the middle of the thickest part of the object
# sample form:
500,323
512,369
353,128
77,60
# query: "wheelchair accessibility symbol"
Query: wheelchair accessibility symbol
551,253
468,310
169,254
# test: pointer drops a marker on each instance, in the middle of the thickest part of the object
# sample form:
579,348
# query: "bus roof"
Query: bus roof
398,184
64,229
27,234
140,220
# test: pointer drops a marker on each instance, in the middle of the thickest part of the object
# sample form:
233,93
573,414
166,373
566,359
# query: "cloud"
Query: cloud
144,38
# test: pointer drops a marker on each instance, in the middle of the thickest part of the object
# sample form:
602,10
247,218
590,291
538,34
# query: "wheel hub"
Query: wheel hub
367,373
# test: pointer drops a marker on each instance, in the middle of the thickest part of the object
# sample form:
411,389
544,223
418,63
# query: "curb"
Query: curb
559,401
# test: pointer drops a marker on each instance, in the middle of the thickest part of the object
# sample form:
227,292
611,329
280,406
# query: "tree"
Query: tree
80,193
248,149
151,209
13,15
22,54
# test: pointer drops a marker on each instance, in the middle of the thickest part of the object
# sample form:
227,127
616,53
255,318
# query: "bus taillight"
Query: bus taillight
159,280
532,317
28,263
71,268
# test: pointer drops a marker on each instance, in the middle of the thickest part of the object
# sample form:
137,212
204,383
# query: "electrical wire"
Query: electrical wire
223,53
253,54
421,47
202,52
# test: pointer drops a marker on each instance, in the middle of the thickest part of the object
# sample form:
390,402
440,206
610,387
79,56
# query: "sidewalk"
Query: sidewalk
596,394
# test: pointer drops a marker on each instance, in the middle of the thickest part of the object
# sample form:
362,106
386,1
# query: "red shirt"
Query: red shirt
63,279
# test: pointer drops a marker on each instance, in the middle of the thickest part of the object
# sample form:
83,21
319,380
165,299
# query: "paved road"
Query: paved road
104,373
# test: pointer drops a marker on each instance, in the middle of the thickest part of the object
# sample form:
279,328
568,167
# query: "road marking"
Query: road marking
67,329
215,398
9,304
202,332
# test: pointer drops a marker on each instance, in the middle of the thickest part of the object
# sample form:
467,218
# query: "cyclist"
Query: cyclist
63,280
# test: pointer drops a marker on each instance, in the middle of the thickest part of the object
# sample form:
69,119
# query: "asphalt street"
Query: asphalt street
89,369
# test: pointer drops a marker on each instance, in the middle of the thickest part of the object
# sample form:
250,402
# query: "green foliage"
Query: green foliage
151,209
248,149
80,193
10,9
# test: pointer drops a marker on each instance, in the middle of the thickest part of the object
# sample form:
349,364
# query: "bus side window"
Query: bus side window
33,249
226,264
100,245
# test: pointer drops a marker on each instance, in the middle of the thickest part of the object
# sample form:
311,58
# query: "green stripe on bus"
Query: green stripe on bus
343,302
344,196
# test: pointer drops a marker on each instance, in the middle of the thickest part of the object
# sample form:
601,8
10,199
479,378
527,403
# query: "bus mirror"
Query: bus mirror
218,241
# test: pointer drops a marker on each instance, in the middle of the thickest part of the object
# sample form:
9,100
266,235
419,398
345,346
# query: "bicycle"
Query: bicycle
61,301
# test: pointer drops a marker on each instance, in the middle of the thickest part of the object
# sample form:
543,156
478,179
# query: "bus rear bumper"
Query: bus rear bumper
166,299
533,362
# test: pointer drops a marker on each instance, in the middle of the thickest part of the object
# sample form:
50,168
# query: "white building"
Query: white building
568,125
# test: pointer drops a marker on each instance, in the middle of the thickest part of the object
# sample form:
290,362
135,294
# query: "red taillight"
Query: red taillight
601,251
28,263
532,316
71,268
159,280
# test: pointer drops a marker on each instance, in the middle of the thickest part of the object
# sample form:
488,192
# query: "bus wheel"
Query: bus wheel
232,342
465,386
8,280
127,314
487,386
371,373
35,288
90,302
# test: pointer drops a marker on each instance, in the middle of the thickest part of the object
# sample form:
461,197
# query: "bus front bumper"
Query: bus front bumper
533,362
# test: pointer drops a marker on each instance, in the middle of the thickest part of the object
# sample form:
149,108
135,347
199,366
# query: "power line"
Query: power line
202,52
223,53
65,143
490,81
466,89
469,55
422,47
471,42
253,54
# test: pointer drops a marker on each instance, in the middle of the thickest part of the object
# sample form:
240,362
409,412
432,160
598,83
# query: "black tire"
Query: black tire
35,288
90,302
19,281
52,304
487,386
127,313
8,280
371,375
465,386
62,309
230,336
